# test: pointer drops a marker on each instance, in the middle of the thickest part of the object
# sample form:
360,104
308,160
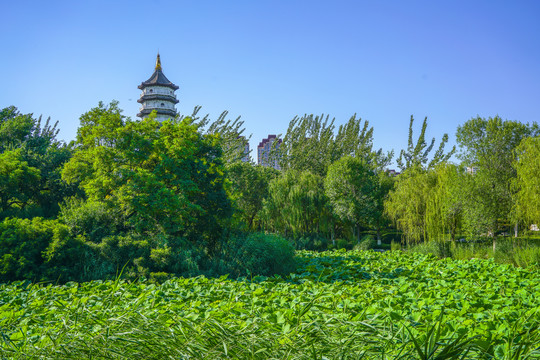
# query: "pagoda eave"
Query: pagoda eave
171,86
158,97
166,112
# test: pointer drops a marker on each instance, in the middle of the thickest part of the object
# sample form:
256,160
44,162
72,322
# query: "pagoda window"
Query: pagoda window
151,90
162,104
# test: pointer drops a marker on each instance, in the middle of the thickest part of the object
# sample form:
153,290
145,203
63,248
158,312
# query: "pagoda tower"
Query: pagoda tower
158,94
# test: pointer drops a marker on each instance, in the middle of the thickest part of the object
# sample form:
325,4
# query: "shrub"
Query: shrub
441,249
527,256
257,254
91,219
311,242
343,244
468,251
391,236
22,242
366,243
66,257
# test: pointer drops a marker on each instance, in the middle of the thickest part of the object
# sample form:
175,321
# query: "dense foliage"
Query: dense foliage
31,159
160,199
140,198
345,305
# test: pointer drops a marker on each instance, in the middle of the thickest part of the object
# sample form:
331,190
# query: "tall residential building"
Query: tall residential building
263,152
158,94
244,147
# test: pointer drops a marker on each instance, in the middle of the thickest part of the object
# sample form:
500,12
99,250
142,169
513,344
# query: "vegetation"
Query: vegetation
182,250
489,145
346,305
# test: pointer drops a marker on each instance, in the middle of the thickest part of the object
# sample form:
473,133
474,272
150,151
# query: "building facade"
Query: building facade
158,93
244,148
263,152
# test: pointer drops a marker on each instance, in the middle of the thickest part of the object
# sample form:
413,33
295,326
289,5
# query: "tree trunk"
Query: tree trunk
378,237
454,230
516,230
494,244
251,221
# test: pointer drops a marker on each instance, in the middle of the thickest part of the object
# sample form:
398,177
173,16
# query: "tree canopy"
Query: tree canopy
159,178
32,158
418,154
312,144
487,148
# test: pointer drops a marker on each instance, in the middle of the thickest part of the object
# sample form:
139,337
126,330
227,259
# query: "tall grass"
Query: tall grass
518,252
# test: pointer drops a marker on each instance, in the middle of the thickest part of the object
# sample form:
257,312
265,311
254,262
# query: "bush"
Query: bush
90,219
440,249
311,242
391,236
66,257
39,250
22,242
468,251
527,256
344,244
366,243
256,254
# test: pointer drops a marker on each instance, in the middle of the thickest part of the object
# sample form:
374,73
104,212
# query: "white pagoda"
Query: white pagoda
158,94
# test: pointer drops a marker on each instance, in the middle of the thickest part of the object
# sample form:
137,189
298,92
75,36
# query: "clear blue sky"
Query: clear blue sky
271,60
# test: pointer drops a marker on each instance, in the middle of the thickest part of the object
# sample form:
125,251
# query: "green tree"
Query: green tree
385,183
249,188
446,202
297,205
354,191
17,181
311,144
418,154
37,148
488,146
407,202
157,178
527,166
15,128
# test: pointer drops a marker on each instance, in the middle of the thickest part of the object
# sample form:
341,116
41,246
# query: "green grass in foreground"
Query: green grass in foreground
338,305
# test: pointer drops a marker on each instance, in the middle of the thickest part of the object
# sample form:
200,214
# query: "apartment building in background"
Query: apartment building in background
263,152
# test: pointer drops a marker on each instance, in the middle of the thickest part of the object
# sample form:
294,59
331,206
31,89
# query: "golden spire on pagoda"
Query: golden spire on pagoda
158,62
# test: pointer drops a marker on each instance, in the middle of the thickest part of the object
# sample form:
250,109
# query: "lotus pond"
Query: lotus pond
337,305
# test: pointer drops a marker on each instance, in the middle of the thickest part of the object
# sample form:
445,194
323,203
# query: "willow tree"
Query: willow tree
407,203
446,202
527,166
297,205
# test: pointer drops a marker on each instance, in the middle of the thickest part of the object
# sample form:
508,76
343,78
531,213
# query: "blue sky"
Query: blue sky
268,61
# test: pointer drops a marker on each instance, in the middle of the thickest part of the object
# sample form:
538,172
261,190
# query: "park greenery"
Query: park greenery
336,305
174,198
133,213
